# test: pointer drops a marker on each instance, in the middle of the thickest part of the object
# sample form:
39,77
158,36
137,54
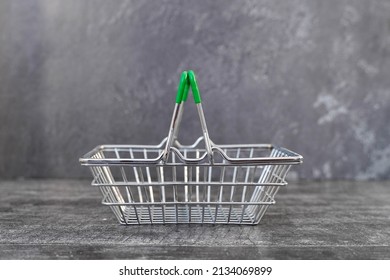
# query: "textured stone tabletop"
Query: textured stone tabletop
63,219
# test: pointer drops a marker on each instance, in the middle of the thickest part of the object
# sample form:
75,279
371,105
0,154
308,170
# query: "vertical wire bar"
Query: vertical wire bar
151,195
245,186
197,177
136,208
210,172
142,180
185,179
232,187
263,178
222,179
274,178
186,186
190,195
197,181
209,175
136,178
259,188
160,175
219,198
175,196
204,192
251,208
149,179
280,175
124,177
242,196
270,177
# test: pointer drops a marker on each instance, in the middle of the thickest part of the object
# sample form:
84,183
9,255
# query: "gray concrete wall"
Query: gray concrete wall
312,76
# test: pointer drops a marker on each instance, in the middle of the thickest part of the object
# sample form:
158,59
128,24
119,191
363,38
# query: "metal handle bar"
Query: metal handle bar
187,81
198,102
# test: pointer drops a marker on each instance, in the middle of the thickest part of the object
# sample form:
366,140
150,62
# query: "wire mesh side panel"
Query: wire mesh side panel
178,193
271,179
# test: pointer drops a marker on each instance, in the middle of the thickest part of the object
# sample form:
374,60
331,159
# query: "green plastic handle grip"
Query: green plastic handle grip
182,85
188,80
186,89
194,86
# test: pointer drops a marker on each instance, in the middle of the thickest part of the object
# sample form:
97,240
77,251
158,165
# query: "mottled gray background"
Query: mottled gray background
313,76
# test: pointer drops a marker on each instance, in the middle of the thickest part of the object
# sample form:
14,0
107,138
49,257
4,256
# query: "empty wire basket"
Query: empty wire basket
201,183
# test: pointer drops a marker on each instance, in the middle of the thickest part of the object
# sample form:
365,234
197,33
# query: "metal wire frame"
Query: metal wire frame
88,159
178,192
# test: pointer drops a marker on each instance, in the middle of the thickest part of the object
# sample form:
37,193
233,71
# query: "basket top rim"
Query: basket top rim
287,156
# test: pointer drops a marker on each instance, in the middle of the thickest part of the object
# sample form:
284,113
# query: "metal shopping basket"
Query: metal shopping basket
201,183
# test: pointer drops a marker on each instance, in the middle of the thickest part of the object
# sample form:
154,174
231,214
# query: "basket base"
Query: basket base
190,214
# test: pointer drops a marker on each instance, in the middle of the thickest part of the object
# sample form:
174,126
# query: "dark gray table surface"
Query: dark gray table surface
63,219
